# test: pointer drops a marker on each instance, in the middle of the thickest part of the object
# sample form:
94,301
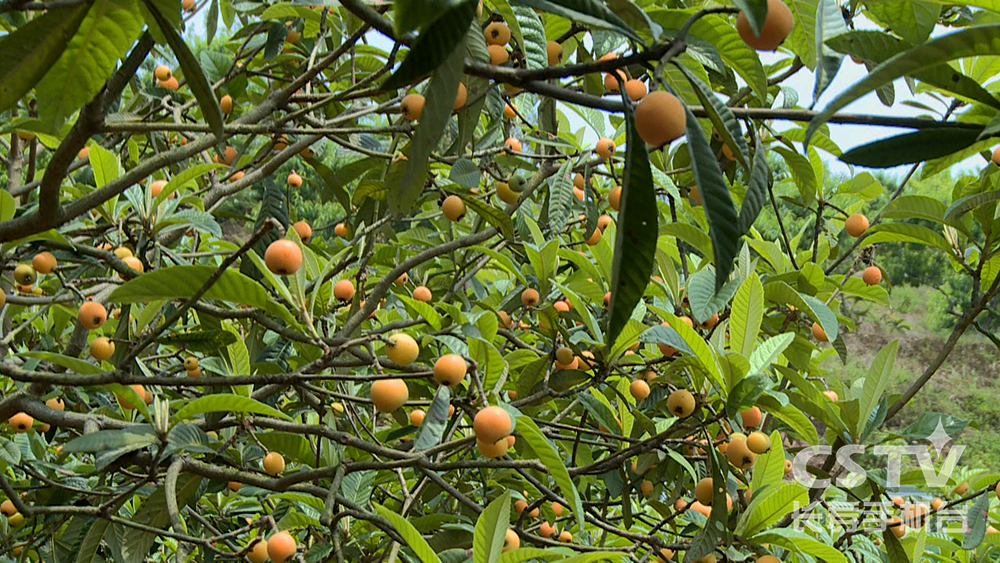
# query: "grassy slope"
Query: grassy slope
967,385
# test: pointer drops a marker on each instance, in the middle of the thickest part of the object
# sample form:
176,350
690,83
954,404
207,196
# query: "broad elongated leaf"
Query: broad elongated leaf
768,351
336,182
977,519
908,148
189,174
413,14
404,188
587,12
491,528
560,198
410,535
180,282
224,402
829,23
441,40
757,187
746,315
104,440
32,49
968,42
877,46
87,551
770,505
68,362
796,540
523,554
193,72
635,243
551,459
433,425
492,215
721,116
719,208
532,36
963,205
877,381
770,466
108,30
705,300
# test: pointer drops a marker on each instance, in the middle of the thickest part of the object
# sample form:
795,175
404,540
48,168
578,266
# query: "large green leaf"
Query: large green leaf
770,466
586,12
720,115
491,529
69,362
829,23
770,505
413,14
967,42
911,147
877,46
746,315
533,43
635,243
493,215
551,459
719,209
877,381
796,540
523,554
188,174
966,204
977,518
105,440
561,198
705,300
104,35
758,187
410,535
181,282
86,552
441,40
336,182
405,187
434,422
228,403
32,49
913,20
906,232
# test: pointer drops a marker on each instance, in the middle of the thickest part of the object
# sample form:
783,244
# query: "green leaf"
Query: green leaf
418,14
433,425
104,440
877,46
421,310
967,42
586,12
913,20
551,459
185,176
796,540
802,172
767,352
193,72
409,534
977,517
894,548
798,423
705,300
86,552
405,188
877,381
181,282
358,486
561,198
746,315
491,214
689,234
829,23
441,40
534,45
635,242
32,49
719,209
226,402
8,206
69,362
336,182
696,344
909,148
905,232
104,35
491,529
963,205
720,115
770,505
770,466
